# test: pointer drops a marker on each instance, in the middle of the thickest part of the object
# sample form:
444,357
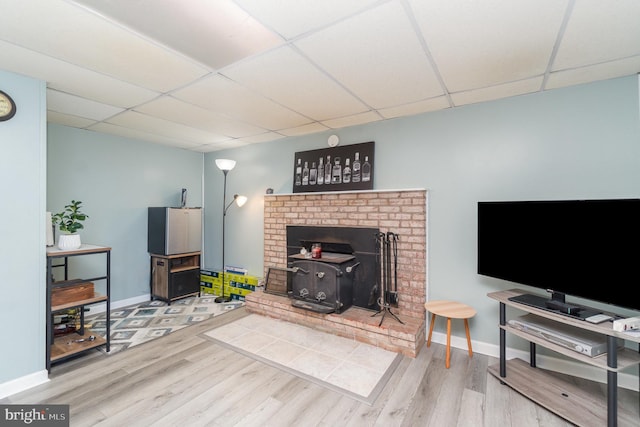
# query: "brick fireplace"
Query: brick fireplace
402,212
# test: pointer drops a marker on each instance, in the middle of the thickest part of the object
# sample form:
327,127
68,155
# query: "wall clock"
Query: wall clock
7,107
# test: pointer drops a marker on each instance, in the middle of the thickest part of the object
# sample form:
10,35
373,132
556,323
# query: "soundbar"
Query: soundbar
579,340
558,307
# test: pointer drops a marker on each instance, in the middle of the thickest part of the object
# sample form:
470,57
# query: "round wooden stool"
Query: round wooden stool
450,309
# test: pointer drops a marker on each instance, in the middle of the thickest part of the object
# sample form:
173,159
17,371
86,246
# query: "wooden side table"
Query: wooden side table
450,310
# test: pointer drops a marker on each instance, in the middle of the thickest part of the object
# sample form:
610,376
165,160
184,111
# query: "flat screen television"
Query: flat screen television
584,248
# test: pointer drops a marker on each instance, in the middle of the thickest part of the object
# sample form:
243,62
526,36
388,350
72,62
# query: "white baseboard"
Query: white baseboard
23,383
569,367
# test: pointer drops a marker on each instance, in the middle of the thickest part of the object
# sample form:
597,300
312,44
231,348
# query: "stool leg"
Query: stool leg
448,359
433,321
466,328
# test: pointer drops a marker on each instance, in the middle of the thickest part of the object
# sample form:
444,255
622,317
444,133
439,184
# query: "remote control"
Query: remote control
598,318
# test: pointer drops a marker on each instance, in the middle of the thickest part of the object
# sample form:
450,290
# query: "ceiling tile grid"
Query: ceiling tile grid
211,75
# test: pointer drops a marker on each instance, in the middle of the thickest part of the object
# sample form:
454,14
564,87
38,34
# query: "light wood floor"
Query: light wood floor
187,380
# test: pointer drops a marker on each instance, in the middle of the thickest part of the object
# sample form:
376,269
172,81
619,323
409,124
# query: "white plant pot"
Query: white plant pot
67,242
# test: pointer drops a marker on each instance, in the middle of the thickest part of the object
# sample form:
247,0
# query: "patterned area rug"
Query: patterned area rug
137,324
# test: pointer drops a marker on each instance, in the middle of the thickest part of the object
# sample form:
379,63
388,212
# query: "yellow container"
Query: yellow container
206,290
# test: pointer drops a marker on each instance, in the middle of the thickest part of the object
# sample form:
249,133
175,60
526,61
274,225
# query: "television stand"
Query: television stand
554,306
579,405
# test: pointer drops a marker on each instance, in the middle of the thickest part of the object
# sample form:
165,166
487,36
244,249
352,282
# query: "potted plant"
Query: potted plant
69,221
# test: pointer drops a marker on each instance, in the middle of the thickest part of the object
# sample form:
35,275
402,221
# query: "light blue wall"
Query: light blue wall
22,229
117,179
578,142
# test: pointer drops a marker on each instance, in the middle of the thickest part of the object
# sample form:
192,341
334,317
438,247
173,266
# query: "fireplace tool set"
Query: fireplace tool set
387,248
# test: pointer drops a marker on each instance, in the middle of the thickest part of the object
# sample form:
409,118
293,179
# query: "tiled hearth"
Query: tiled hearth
356,323
399,211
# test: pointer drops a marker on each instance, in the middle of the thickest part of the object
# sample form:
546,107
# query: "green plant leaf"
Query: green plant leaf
70,219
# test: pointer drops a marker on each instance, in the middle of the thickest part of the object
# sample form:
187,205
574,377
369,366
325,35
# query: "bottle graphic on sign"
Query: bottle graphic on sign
299,173
305,174
313,174
336,175
366,170
321,171
346,172
355,169
327,171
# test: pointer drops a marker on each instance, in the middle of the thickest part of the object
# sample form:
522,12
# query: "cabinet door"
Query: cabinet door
184,282
159,276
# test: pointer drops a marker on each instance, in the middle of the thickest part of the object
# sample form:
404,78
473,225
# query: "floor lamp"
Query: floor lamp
225,166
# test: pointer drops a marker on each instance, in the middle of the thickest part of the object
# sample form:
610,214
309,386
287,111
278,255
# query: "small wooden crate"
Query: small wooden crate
70,293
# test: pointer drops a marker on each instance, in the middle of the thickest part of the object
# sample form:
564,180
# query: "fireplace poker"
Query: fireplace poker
392,295
385,266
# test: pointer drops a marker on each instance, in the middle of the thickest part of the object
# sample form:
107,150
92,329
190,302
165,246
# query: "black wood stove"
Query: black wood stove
323,284
344,275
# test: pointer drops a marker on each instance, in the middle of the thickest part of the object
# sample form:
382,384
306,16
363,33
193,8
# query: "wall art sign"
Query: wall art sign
340,168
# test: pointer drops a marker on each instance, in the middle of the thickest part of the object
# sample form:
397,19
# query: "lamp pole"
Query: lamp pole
225,165
223,298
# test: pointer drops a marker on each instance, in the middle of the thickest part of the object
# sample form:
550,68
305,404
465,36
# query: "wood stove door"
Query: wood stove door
317,282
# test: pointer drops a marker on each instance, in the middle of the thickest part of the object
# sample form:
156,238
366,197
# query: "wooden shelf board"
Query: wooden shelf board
55,252
626,357
191,294
184,255
61,347
170,300
569,401
184,268
96,298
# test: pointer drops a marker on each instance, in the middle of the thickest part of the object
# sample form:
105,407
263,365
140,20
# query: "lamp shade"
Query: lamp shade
225,164
240,200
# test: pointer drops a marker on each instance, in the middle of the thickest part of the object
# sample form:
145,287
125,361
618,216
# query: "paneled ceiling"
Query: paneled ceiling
206,75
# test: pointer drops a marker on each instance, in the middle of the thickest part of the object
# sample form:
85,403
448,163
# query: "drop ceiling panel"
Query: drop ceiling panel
265,137
496,92
68,32
598,32
304,130
153,125
68,120
227,97
477,44
609,70
286,77
219,32
383,71
80,107
292,18
434,104
357,119
174,110
66,77
208,148
144,136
